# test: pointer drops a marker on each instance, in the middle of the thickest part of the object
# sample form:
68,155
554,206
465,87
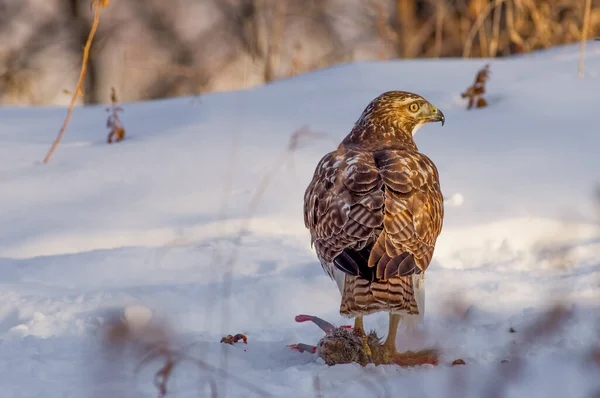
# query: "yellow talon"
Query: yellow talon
366,347
386,358
359,329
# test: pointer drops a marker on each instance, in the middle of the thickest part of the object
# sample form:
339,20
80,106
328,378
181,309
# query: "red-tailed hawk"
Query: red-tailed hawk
374,210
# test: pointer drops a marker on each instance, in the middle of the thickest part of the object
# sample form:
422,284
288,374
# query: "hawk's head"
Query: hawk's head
400,110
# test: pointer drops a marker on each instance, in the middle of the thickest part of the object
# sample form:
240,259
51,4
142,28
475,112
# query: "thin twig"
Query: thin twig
245,227
584,34
98,4
317,387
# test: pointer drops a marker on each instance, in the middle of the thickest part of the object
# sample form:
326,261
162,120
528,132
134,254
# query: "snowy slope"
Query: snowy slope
155,221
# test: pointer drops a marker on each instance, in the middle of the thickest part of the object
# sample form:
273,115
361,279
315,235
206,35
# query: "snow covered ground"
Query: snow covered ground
155,221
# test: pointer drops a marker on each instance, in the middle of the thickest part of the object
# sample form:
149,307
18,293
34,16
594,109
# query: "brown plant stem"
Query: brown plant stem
98,4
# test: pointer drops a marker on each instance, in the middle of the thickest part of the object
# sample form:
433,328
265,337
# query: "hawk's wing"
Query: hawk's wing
414,212
343,204
374,215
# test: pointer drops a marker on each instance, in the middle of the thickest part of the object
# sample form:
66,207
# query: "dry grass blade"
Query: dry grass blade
439,23
98,5
478,24
495,30
584,34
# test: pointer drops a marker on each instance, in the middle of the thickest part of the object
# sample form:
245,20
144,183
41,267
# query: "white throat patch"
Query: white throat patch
417,127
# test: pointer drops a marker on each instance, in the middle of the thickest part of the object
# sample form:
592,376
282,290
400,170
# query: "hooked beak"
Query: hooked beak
437,115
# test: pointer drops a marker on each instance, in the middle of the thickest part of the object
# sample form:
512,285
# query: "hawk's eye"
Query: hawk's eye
413,107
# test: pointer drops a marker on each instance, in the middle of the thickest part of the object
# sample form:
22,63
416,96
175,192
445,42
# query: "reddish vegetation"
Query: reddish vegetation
475,92
117,131
229,339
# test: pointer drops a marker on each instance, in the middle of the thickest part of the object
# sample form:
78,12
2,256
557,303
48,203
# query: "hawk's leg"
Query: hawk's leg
407,358
359,329
389,346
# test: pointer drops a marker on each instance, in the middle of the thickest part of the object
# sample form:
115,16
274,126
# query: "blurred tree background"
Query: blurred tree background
150,49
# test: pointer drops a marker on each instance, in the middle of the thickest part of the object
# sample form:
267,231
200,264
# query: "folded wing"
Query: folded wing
374,215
